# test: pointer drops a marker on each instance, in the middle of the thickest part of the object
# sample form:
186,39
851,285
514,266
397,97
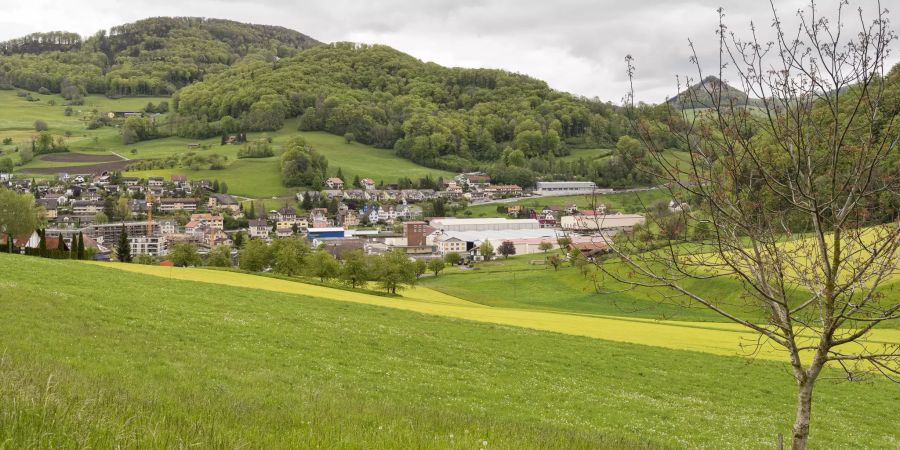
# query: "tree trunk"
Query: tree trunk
804,408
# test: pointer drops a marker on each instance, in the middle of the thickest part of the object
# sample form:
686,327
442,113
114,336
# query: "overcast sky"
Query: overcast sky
575,45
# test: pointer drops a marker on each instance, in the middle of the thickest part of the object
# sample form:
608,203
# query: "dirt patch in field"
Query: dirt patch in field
79,158
92,169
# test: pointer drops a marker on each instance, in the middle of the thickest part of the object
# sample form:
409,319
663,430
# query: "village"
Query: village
156,214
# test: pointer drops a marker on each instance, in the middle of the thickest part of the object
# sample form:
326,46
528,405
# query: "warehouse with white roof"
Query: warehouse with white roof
485,224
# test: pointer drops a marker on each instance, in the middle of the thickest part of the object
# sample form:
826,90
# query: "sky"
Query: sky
578,46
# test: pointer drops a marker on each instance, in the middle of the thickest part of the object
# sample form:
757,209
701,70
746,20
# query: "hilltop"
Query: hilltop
227,77
155,56
706,93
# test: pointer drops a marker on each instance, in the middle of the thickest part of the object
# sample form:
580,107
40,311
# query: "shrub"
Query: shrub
40,125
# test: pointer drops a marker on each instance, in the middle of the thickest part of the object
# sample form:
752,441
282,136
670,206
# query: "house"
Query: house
224,201
130,181
286,214
167,227
367,184
318,218
284,232
504,190
409,212
50,205
349,218
213,221
546,220
26,240
334,183
156,182
285,224
514,210
258,228
180,181
86,207
450,245
177,204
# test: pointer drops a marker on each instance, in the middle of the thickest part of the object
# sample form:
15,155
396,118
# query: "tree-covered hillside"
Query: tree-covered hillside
155,56
445,117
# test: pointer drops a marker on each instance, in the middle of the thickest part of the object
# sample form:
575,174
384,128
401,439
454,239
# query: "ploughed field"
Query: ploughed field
93,356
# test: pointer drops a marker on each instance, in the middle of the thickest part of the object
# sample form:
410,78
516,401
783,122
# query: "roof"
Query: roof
325,230
486,220
566,184
258,223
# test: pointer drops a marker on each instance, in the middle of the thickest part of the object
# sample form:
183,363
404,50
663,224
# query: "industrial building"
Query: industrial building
567,187
601,222
326,232
487,224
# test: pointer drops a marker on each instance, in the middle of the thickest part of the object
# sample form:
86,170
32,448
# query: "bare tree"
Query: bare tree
792,186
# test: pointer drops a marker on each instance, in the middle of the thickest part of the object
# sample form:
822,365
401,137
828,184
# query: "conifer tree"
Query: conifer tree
80,252
123,248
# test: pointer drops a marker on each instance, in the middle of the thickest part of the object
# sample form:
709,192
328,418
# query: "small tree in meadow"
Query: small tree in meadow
436,266
507,248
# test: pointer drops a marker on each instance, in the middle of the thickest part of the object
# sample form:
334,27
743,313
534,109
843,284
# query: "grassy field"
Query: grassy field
178,363
587,154
715,338
257,178
629,202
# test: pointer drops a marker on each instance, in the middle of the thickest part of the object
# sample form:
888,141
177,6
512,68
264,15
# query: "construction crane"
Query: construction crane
149,199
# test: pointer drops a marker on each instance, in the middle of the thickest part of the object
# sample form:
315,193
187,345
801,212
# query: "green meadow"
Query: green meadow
628,202
157,362
258,178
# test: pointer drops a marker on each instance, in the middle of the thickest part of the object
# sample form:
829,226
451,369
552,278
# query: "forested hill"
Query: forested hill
707,92
434,115
155,56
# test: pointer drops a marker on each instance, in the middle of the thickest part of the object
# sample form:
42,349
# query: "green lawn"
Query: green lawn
17,117
177,363
629,202
514,283
587,154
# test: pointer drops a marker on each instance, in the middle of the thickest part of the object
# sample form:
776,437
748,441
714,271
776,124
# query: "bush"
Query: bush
68,111
256,149
40,125
7,141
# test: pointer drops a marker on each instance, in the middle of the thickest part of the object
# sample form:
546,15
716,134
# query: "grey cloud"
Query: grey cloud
575,45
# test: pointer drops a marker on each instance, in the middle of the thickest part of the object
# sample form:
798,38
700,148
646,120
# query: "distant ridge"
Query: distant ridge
710,91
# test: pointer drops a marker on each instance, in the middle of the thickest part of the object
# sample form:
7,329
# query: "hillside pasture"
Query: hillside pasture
176,362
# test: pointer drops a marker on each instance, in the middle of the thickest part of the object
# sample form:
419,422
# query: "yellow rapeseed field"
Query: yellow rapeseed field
716,338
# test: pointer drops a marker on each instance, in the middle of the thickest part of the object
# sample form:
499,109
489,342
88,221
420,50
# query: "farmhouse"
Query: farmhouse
335,183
